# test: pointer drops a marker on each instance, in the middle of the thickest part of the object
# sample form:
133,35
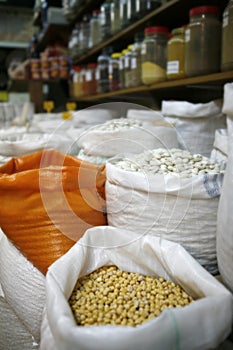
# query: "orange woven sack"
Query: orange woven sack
47,202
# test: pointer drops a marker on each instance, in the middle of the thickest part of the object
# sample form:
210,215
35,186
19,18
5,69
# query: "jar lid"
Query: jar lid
156,30
204,9
77,68
177,31
91,65
129,47
96,12
116,55
124,51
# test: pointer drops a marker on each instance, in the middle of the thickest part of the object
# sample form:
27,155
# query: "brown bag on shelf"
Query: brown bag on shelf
48,201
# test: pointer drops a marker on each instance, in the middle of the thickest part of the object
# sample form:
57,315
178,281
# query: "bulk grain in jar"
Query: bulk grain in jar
154,55
227,38
114,71
176,54
203,41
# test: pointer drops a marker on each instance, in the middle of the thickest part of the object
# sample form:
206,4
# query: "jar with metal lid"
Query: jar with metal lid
154,54
84,34
115,16
90,81
95,29
136,70
203,41
114,71
227,38
176,54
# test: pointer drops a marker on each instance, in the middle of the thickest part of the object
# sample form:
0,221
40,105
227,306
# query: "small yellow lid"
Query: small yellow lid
124,51
116,55
129,47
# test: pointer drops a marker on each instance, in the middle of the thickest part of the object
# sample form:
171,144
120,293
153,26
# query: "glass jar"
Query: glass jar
202,41
122,68
132,10
154,54
114,71
146,6
73,45
136,69
105,10
176,54
91,83
123,13
84,34
127,66
77,86
103,73
227,38
95,29
115,16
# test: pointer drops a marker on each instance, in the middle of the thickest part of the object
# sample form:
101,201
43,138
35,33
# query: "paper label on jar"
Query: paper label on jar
133,63
88,76
173,67
126,62
187,35
225,21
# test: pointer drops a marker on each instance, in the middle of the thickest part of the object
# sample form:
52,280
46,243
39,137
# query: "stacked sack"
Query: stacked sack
171,194
195,123
125,135
225,219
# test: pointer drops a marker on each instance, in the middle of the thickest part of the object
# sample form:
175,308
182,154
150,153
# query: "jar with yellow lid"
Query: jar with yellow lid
154,54
127,66
114,71
227,38
176,54
122,68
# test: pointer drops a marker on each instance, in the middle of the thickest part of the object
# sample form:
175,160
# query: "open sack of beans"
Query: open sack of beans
116,290
220,147
171,194
48,200
225,211
121,135
195,123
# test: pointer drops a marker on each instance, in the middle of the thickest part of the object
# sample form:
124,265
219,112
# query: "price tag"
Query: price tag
48,106
133,63
71,106
67,115
173,67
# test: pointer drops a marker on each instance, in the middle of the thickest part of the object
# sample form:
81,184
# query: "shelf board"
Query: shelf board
13,45
203,81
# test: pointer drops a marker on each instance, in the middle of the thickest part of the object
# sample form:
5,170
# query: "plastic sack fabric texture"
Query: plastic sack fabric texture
179,209
13,334
24,297
105,143
220,150
227,107
143,115
195,123
48,200
203,324
225,219
92,116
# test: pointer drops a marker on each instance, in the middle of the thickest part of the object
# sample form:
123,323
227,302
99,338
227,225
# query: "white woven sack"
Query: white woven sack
144,115
23,144
195,123
181,210
134,140
23,287
13,334
228,106
220,150
201,325
225,223
92,116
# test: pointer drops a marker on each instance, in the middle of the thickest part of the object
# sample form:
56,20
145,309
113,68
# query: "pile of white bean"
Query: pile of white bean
119,124
176,161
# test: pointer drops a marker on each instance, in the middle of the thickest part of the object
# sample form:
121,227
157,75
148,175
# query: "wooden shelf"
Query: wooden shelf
13,45
205,82
178,10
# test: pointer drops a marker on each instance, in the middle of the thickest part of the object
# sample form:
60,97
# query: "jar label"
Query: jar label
173,67
187,35
133,63
88,76
225,21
